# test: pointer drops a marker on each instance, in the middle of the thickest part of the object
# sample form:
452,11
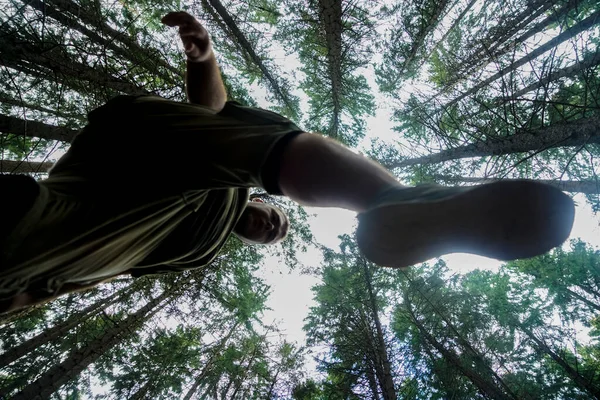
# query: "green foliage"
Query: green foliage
418,334
348,318
331,51
407,41
505,334
572,279
441,59
164,359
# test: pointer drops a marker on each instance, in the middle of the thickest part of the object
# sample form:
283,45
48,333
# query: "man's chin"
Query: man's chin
244,238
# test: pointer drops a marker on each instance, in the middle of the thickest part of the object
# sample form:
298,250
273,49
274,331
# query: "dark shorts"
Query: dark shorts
141,167
147,141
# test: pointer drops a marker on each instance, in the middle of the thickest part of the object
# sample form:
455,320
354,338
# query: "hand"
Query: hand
196,42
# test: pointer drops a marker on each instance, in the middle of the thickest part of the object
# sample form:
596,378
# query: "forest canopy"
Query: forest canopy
475,91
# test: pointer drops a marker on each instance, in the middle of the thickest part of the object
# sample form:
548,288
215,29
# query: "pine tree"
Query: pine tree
347,316
330,40
79,359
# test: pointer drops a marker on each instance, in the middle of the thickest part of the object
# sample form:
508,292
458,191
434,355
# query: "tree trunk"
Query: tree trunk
91,17
209,363
579,380
566,134
80,359
487,388
587,302
5,99
197,382
148,61
330,18
57,330
25,55
21,127
591,60
226,389
371,350
276,88
371,378
586,187
564,36
24,167
388,389
272,386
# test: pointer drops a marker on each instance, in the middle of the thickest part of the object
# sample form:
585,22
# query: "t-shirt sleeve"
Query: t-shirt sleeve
259,116
255,115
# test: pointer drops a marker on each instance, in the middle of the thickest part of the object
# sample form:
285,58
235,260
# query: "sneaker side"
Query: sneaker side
505,220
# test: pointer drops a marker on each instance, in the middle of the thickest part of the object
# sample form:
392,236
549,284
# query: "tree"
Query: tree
160,365
330,39
449,336
214,352
514,304
573,134
564,36
572,279
60,329
415,22
517,24
535,85
278,86
347,316
79,359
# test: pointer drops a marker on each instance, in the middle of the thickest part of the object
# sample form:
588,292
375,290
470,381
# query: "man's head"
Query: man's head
262,224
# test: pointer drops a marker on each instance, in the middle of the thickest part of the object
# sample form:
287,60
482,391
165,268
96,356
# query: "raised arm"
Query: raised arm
202,78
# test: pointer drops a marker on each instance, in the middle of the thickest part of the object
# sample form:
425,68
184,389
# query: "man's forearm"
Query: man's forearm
204,85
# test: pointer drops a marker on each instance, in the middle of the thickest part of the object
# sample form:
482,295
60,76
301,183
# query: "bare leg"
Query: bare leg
320,172
503,220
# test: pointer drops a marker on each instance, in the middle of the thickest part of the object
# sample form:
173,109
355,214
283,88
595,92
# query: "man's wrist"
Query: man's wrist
209,55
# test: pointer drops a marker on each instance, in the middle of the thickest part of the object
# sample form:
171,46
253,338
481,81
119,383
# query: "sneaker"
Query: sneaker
505,220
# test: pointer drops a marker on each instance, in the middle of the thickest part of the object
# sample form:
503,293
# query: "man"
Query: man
151,185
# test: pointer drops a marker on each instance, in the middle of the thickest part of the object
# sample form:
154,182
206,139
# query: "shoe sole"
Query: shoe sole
505,220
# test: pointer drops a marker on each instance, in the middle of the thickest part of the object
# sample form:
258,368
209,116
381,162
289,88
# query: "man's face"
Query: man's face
262,224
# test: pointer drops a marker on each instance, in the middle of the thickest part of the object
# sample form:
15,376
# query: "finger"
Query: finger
196,49
177,18
188,44
189,47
